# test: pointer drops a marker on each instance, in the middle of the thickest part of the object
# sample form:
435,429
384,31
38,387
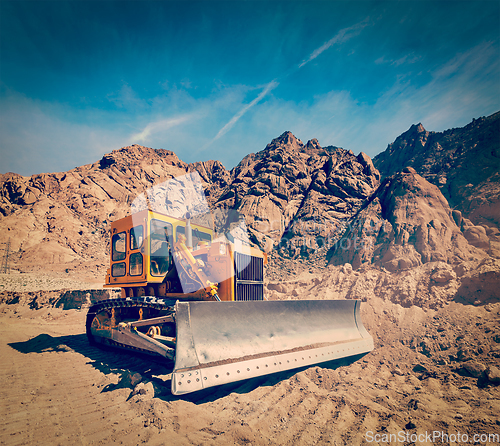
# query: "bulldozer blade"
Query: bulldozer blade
223,342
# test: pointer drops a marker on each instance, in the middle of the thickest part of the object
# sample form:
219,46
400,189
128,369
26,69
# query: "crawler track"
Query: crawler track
125,309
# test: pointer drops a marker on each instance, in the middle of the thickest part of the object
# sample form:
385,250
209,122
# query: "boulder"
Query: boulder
474,368
493,375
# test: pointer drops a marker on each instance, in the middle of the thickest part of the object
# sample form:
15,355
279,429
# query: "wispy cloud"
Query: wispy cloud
342,36
230,124
407,59
127,98
271,85
50,136
457,90
159,126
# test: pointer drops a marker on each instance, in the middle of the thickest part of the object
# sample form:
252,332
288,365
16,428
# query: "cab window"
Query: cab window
136,264
161,257
198,236
118,246
136,237
118,269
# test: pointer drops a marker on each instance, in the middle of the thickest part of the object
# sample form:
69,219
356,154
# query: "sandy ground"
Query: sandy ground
26,282
56,389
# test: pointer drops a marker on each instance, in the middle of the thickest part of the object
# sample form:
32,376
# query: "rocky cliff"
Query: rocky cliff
60,221
407,222
463,162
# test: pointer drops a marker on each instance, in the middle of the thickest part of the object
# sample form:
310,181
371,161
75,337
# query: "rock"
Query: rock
480,285
280,288
474,369
146,391
406,223
457,216
347,268
443,273
476,236
410,425
463,354
215,178
295,195
409,170
131,379
135,378
493,375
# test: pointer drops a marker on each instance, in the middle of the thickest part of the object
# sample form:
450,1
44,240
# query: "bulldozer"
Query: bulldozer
194,296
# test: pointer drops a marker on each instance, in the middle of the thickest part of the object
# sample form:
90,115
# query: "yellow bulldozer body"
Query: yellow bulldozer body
141,260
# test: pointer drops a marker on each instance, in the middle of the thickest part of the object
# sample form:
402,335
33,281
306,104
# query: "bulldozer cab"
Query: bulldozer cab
141,247
159,255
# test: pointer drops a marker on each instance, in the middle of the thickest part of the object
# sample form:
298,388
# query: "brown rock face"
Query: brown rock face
60,221
298,189
215,178
406,223
463,162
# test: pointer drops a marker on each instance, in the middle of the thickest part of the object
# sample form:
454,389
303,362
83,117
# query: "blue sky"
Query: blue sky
219,80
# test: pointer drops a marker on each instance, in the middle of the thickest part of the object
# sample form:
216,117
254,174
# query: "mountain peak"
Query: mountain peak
419,128
286,139
415,131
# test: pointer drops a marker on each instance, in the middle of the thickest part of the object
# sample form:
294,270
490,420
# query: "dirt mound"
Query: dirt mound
430,285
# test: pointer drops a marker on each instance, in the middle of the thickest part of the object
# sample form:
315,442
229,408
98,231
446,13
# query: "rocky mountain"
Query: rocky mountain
409,243
463,162
301,191
215,178
406,223
61,220
299,201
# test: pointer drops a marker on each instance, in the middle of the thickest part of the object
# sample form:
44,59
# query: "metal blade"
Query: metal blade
222,342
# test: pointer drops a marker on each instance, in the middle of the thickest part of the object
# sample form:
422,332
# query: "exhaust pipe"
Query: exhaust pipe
189,232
